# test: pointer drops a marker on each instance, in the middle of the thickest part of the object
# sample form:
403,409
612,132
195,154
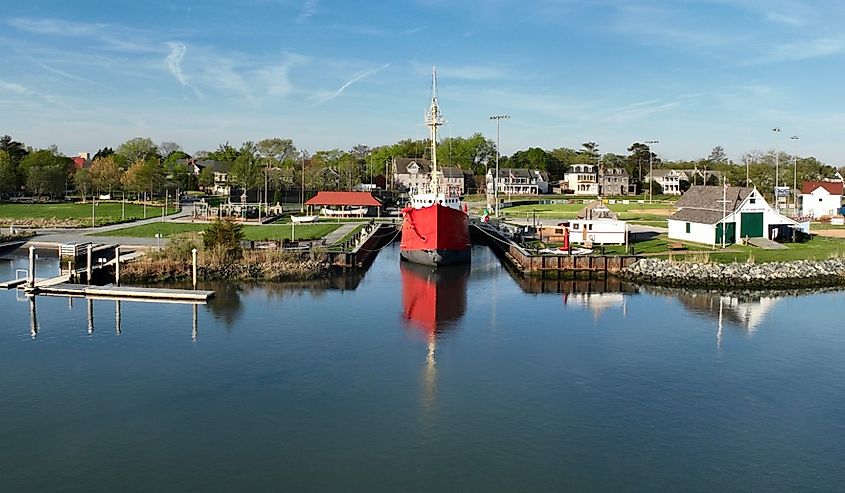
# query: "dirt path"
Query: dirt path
832,233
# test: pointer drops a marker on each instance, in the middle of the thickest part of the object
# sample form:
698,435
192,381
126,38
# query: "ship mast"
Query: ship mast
434,119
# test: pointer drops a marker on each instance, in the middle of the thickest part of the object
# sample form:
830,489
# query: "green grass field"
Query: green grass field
818,248
75,214
267,232
635,213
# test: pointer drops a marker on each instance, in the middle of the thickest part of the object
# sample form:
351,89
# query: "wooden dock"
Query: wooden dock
548,266
121,292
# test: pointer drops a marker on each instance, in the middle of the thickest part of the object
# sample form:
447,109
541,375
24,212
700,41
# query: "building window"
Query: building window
752,201
688,228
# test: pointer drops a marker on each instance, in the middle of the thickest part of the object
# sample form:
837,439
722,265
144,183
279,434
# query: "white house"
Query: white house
821,198
518,181
582,179
706,214
668,179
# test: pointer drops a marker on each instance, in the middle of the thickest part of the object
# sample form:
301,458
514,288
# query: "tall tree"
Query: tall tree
224,153
717,156
105,151
247,170
8,176
105,174
139,148
45,172
16,150
276,150
165,149
82,182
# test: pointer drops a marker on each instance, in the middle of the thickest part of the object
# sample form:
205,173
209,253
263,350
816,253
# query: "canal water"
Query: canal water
402,379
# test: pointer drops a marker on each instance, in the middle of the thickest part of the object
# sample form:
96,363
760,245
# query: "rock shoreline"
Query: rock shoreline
769,275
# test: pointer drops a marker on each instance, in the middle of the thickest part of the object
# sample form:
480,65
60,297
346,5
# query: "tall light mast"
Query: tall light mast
434,119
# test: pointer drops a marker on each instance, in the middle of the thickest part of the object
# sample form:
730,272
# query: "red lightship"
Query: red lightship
436,226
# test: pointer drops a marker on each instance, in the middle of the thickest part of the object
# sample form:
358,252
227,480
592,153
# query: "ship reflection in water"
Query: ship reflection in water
434,299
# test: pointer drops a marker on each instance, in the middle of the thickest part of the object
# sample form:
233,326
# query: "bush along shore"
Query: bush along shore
267,265
768,275
220,257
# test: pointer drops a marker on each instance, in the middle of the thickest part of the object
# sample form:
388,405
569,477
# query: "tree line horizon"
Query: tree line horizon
141,166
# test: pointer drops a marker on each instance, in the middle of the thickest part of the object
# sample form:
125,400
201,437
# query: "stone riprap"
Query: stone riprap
768,275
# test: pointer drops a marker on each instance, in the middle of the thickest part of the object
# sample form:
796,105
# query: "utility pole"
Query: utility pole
498,119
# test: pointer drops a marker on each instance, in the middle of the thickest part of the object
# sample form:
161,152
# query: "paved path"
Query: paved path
340,232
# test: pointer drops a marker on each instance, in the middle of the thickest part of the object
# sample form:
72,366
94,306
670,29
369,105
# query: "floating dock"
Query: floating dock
121,292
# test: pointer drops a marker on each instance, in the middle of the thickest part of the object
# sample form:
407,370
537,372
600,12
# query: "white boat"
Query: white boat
304,219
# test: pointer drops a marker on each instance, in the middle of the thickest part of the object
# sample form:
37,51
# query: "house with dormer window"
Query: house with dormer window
414,175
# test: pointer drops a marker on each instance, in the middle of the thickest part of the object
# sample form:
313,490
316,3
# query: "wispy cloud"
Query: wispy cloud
174,65
309,8
328,97
276,78
805,50
131,40
68,75
465,72
11,87
415,30
640,110
790,20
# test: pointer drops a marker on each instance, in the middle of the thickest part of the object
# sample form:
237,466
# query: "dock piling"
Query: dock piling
194,267
88,265
31,266
117,265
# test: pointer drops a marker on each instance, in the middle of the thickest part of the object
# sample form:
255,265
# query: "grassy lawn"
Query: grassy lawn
819,248
268,232
74,214
819,226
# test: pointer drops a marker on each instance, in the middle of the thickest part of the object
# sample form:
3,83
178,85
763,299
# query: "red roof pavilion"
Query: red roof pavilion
344,198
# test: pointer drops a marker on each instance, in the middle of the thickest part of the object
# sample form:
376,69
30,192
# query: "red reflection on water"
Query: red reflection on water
433,297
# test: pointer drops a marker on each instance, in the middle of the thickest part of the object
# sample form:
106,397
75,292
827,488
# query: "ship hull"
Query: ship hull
435,235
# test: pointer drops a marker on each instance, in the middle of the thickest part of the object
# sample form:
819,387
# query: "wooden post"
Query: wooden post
194,267
117,265
88,265
31,266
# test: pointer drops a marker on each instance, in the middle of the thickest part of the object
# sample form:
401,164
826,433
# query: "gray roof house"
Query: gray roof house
716,214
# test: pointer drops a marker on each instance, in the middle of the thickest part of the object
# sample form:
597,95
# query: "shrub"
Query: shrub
224,238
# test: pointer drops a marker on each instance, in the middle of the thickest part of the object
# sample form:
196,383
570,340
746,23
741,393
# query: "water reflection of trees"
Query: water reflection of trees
227,306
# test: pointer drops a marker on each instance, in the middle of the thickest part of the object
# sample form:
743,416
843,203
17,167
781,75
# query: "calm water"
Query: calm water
404,381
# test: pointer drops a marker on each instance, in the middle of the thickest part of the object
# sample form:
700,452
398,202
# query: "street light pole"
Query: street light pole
795,176
776,130
650,168
498,119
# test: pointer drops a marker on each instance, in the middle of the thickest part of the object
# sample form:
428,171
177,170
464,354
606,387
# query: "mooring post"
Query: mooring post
31,266
88,264
117,265
194,267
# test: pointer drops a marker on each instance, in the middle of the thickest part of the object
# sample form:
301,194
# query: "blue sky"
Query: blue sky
692,74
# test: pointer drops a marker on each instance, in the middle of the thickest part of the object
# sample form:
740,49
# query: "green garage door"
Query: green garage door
730,233
752,225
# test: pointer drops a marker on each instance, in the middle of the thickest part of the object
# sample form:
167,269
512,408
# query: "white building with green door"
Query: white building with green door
706,214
